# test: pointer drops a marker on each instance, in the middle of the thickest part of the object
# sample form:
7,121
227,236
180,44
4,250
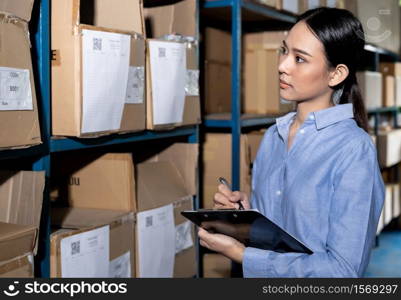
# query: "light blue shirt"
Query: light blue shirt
327,191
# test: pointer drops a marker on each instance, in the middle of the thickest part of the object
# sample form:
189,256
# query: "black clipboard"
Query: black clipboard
249,227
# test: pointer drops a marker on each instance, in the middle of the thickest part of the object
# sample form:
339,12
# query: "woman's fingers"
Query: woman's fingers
222,201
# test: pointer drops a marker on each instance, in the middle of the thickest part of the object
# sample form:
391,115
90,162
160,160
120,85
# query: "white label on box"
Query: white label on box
135,86
291,5
15,89
183,237
156,242
168,75
331,3
105,60
192,83
313,4
86,254
120,267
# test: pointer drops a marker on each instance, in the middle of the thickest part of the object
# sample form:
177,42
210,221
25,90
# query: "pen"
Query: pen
224,181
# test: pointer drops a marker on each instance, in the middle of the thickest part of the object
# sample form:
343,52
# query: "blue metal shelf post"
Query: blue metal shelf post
236,28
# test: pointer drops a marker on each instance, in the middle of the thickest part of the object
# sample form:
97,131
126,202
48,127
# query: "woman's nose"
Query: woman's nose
284,65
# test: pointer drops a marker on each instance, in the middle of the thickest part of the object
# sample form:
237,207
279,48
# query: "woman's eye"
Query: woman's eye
282,50
299,59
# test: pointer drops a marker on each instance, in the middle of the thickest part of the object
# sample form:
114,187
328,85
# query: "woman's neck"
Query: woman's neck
306,107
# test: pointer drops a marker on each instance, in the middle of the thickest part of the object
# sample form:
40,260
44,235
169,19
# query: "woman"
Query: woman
316,173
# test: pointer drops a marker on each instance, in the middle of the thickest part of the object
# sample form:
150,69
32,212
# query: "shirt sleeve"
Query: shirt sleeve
358,195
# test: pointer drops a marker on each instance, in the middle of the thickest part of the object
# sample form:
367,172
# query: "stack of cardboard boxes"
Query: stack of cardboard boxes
115,222
21,196
107,79
19,122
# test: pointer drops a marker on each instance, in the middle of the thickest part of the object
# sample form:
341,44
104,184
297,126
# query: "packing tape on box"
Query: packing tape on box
192,83
183,237
12,19
135,85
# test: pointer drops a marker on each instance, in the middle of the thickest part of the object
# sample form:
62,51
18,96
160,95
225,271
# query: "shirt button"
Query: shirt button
302,131
278,193
312,117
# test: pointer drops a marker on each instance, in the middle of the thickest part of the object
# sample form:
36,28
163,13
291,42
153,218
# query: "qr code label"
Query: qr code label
97,44
162,52
149,221
75,247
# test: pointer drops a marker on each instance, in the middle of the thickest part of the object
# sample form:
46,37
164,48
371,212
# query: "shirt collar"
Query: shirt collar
322,118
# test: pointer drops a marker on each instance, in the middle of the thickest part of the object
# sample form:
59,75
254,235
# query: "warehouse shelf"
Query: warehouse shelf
252,11
67,144
23,152
223,120
381,51
381,110
41,154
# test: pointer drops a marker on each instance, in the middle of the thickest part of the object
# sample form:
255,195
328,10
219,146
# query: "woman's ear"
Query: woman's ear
338,75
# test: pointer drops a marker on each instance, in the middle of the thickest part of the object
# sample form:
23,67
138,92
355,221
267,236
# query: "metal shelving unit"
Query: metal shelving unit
237,13
38,158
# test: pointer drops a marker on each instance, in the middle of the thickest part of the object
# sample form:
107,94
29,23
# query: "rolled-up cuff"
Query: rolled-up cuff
254,263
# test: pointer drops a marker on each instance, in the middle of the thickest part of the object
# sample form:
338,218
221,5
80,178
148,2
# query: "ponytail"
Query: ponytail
352,94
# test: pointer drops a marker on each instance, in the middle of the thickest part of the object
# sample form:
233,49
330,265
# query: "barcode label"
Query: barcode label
97,44
149,221
162,52
75,247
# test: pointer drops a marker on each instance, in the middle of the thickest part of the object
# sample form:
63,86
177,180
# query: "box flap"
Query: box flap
16,240
159,183
126,15
184,157
21,197
178,18
19,8
78,218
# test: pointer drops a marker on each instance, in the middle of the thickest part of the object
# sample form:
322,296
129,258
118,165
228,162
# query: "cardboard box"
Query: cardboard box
397,92
371,85
261,83
19,267
254,139
84,36
216,266
305,5
184,157
393,69
389,147
21,197
288,5
396,200
19,121
217,81
173,171
388,91
388,204
380,21
217,163
177,112
265,39
91,181
380,225
177,18
102,228
261,79
16,240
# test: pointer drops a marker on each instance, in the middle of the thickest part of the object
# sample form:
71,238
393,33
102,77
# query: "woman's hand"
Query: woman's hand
225,198
223,244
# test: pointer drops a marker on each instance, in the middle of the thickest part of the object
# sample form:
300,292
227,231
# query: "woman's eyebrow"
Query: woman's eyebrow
297,50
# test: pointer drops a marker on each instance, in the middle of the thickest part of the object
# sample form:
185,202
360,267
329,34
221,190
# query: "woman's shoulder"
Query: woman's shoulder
355,136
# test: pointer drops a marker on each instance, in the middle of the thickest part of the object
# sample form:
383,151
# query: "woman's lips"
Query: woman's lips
284,84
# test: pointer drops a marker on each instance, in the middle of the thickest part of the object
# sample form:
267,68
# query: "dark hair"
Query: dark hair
342,36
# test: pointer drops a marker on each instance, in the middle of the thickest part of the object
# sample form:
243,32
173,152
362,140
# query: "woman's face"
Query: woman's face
303,69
